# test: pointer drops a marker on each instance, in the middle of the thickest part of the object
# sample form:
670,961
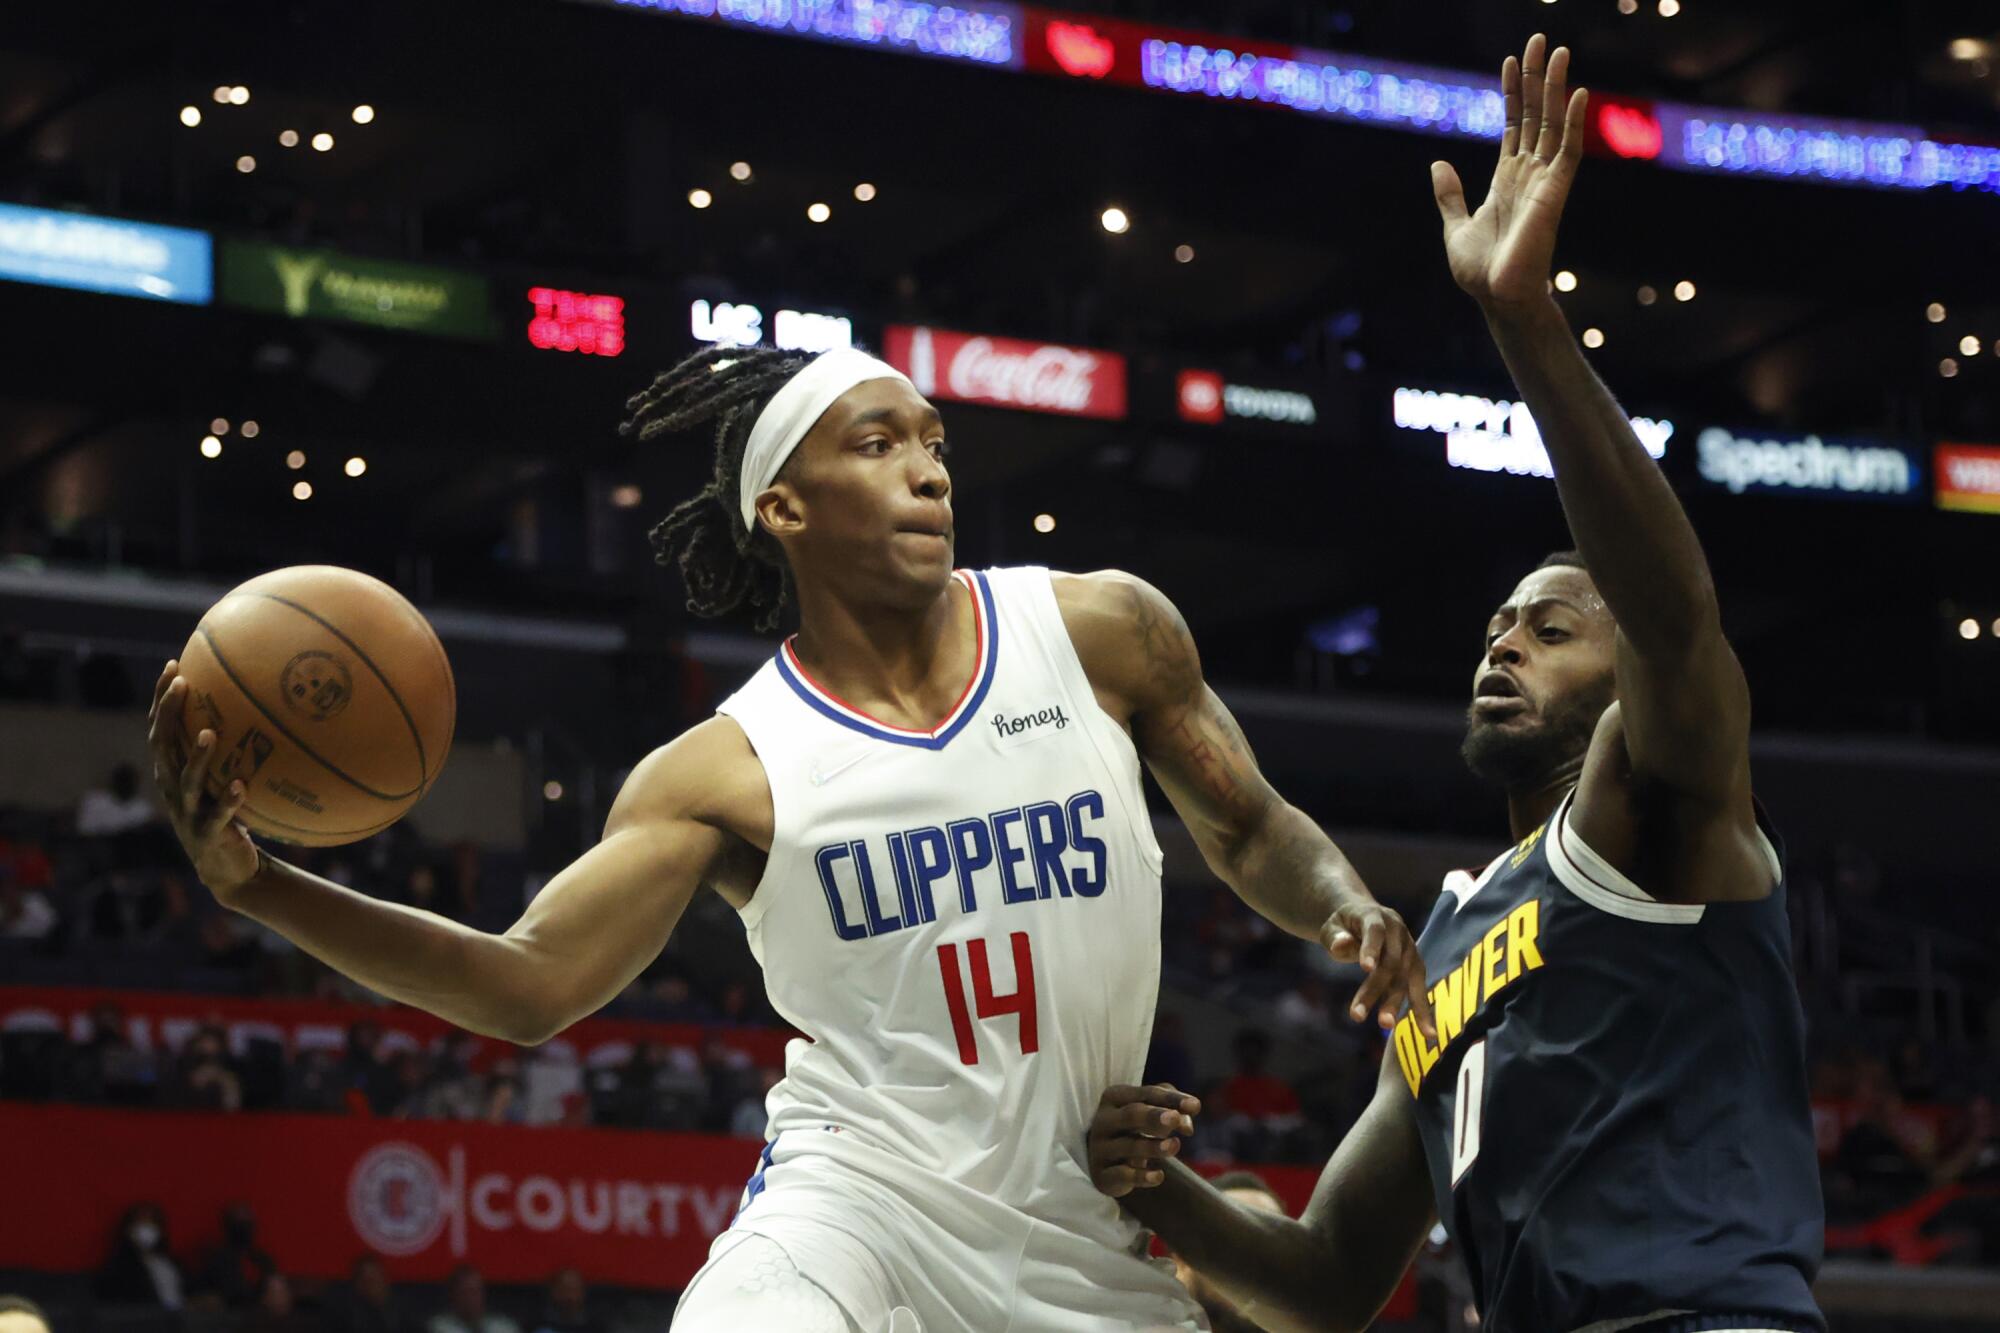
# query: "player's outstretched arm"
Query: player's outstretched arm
1684,703
1330,1271
1137,650
590,930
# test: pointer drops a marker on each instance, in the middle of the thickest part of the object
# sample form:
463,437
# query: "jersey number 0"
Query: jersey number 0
984,1002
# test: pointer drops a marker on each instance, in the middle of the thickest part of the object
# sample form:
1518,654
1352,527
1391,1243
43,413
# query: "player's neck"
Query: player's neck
1531,807
886,655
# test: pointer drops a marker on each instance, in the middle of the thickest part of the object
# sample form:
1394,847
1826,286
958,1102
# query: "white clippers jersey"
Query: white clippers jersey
964,922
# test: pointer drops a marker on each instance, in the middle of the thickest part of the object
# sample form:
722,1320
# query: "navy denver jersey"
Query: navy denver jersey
1615,1112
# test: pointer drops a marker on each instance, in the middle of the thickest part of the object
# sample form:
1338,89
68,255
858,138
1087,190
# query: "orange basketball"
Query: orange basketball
330,698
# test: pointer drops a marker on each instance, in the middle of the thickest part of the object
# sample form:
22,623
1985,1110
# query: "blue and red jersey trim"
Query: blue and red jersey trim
986,649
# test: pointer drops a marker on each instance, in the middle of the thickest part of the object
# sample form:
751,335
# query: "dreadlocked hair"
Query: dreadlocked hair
724,564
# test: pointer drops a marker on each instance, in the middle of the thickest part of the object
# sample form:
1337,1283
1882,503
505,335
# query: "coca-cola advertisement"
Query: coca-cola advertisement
1008,372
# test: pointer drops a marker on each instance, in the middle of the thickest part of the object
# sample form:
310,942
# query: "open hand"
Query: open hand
1501,254
1374,936
224,857
1133,1134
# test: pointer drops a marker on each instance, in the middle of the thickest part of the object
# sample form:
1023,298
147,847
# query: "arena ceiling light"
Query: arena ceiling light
1593,338
1184,254
356,466
1115,220
323,142
219,426
700,198
1684,290
1565,281
864,192
288,138
1935,312
302,490
246,164
818,212
190,116
211,447
1669,8
364,114
739,171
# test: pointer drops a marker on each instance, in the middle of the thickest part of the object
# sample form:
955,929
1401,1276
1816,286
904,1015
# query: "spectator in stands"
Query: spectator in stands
567,1309
315,1082
225,942
1167,1059
415,1099
673,1001
24,675
457,1091
275,1310
25,914
140,1271
1257,1108
749,1119
505,1104
1305,1009
108,1067
204,1078
728,1074
369,1304
119,806
370,1078
467,1312
234,1274
1881,1162
1248,1189
18,1314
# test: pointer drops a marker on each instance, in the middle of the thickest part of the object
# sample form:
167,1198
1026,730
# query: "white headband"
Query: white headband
794,409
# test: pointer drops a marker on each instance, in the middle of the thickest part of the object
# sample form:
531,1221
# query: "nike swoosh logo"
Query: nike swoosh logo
820,777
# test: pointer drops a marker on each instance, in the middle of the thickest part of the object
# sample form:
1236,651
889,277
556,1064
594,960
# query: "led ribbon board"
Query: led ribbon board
1833,152
977,33
93,254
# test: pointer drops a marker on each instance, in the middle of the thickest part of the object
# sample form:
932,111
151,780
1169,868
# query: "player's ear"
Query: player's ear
780,510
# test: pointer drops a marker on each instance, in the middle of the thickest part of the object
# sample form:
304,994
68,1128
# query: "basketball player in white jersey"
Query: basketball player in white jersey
927,808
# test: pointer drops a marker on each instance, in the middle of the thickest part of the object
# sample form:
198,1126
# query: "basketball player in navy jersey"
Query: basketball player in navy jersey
1612,1117
927,809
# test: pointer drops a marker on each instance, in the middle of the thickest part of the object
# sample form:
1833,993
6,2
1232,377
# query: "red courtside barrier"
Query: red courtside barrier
628,1207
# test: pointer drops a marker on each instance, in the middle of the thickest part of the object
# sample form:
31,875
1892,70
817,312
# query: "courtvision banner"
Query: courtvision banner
324,284
628,1207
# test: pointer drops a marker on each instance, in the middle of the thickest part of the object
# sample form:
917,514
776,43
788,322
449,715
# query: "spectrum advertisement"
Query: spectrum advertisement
1787,464
92,254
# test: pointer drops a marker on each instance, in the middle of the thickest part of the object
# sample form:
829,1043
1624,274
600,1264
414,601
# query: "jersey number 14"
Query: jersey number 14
984,1002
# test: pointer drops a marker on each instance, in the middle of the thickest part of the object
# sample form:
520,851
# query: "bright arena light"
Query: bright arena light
552,790
250,429
1669,8
1969,345
1045,523
1115,221
864,192
700,198
1968,629
739,171
302,490
322,142
296,459
246,164
1565,281
190,116
364,114
1184,254
1593,338
1628,6
1967,48
219,426
356,466
221,93
239,96
211,447
626,496
288,138
1935,312
1684,290
818,212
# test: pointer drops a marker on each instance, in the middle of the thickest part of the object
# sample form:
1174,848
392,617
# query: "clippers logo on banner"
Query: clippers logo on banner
1968,478
1007,372
1204,397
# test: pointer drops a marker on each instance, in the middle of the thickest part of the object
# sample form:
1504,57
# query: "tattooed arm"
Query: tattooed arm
1142,663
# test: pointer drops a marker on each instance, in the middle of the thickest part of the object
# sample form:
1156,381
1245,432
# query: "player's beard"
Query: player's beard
1514,758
